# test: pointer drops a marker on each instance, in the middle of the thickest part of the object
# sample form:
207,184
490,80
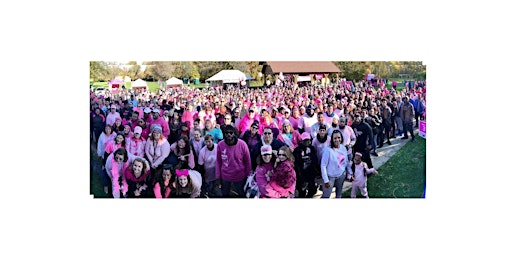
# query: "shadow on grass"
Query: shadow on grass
402,176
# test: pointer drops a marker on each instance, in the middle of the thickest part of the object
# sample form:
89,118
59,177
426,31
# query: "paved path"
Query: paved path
385,153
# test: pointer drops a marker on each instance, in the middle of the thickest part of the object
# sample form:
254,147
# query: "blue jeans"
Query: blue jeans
374,142
335,182
237,187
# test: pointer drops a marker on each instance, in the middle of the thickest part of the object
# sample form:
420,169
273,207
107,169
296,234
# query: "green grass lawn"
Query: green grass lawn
402,176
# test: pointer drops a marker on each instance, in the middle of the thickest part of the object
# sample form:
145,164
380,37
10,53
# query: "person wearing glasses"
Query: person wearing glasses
248,119
252,136
227,120
264,169
145,129
334,166
282,182
233,164
267,139
116,165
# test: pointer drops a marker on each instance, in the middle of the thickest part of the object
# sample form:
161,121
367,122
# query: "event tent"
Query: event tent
229,76
114,85
174,81
140,85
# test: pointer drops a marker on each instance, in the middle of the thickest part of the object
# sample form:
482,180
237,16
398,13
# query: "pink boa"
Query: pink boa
115,177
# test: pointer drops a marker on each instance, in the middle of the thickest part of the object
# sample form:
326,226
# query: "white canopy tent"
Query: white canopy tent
174,81
140,85
228,76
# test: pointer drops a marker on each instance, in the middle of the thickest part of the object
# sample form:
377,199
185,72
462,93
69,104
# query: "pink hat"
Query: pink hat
267,149
305,136
137,129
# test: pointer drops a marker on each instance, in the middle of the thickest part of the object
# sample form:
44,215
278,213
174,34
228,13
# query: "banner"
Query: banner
423,129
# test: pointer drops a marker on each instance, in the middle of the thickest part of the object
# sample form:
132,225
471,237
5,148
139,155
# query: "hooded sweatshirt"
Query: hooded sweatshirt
233,162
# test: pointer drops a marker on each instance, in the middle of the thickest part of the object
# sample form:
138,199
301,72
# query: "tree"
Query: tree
162,70
97,70
208,68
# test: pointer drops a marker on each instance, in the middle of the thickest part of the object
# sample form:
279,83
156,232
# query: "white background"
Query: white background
46,49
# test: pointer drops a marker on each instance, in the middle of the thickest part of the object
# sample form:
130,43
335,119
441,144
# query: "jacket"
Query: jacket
407,112
283,181
136,146
102,141
263,174
156,154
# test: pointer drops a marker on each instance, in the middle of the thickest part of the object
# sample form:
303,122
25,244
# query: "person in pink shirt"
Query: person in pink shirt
188,115
289,136
137,179
158,120
157,150
118,142
264,169
349,136
248,119
145,129
163,188
233,163
294,118
359,181
207,161
136,144
113,115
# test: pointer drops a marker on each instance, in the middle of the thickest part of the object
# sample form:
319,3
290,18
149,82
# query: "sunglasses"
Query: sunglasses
230,132
267,133
281,154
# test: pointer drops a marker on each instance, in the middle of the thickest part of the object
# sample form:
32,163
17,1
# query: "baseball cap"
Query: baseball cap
147,110
137,129
305,136
267,149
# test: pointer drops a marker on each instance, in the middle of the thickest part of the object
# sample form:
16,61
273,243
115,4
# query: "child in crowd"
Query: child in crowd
360,170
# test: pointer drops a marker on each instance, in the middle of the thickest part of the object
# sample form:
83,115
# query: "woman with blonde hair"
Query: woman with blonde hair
289,136
157,150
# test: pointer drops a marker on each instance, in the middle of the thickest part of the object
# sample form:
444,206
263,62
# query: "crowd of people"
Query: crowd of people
291,141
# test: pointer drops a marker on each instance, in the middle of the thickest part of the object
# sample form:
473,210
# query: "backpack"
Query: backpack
251,188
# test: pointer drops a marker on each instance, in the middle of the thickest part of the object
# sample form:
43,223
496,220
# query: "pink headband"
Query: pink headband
359,154
183,172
